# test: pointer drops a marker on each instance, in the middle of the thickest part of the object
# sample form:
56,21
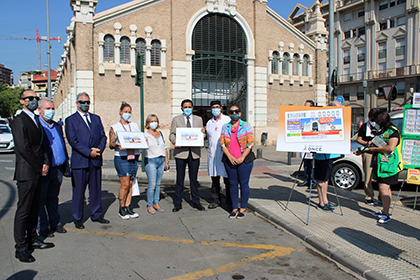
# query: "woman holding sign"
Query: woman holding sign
155,162
236,141
386,160
126,161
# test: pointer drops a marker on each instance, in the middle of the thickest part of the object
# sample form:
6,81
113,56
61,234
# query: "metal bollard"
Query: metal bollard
289,158
259,153
171,154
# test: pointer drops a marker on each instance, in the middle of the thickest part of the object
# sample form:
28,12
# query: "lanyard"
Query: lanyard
124,126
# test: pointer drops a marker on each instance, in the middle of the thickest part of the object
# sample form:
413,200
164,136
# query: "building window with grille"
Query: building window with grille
400,2
383,5
400,65
392,3
383,25
361,31
361,54
382,50
125,50
400,47
286,61
109,49
155,52
275,63
346,56
295,64
361,13
347,34
305,66
141,48
391,23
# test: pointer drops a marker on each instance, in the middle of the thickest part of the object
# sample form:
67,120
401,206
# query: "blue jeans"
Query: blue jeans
239,174
50,189
154,170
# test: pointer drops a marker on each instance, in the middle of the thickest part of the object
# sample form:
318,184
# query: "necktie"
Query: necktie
188,121
88,122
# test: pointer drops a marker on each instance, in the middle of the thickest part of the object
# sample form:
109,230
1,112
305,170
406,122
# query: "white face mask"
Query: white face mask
153,125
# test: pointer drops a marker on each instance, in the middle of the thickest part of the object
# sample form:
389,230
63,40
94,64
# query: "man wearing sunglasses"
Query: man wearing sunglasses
85,134
31,164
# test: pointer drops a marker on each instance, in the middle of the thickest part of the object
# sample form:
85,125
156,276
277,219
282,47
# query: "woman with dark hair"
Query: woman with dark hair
386,160
236,141
126,161
364,137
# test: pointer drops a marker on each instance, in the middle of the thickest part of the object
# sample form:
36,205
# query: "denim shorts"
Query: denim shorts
126,167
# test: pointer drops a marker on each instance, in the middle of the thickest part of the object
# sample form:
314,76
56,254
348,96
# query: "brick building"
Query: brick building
6,75
237,51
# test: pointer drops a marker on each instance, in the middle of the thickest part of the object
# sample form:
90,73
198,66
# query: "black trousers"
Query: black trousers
193,165
215,189
26,217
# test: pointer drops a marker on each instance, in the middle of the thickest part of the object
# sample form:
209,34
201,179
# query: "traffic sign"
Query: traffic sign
387,90
340,99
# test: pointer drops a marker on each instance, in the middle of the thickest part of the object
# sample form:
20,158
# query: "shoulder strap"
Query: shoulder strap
163,138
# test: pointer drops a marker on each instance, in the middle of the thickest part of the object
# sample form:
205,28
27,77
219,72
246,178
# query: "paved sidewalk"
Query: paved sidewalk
390,251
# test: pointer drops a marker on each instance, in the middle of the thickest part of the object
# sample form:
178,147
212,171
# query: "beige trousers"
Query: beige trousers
366,159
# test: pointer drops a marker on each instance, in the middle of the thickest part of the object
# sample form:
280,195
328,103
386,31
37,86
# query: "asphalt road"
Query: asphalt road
184,245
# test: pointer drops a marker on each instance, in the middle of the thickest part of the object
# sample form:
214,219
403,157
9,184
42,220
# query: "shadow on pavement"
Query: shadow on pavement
12,195
24,274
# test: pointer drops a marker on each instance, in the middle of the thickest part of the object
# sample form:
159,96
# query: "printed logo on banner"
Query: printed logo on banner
313,148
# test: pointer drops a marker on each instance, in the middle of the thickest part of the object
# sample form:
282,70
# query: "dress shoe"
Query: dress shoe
24,256
214,204
59,229
101,220
177,208
198,206
79,224
38,244
46,233
303,184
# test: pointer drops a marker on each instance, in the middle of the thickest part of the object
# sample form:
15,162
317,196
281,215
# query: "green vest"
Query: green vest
392,164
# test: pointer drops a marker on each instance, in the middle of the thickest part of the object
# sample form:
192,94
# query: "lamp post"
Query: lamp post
364,101
48,53
331,51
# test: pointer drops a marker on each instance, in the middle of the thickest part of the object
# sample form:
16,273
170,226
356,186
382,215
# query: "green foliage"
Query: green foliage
9,100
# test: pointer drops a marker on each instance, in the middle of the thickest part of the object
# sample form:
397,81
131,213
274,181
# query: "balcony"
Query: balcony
380,74
343,3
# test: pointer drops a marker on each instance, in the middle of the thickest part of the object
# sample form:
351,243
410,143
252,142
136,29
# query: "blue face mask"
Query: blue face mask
235,117
48,114
215,112
126,116
187,111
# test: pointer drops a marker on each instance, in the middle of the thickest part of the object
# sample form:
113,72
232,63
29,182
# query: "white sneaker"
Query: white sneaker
377,214
123,213
384,219
131,213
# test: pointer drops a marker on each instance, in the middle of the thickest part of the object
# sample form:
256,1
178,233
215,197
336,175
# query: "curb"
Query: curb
321,246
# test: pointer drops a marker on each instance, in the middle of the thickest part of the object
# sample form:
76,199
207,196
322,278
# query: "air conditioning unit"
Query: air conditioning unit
351,78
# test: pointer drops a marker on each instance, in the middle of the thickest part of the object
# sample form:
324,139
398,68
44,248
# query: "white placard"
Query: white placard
416,100
132,140
189,137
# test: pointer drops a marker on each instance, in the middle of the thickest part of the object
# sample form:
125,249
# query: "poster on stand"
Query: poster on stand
189,137
314,129
416,100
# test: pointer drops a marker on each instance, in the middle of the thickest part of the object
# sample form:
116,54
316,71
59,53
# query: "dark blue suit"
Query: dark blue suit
85,170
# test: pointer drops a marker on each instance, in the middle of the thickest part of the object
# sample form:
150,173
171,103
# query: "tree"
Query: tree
9,100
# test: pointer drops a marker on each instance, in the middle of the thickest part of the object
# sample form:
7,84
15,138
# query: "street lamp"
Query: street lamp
365,101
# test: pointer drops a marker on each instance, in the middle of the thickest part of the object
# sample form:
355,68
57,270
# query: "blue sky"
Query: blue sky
20,18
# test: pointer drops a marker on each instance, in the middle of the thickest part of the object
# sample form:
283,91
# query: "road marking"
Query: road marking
273,251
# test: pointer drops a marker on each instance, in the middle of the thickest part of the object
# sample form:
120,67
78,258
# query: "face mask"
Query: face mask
84,108
187,111
215,112
375,125
126,116
32,105
49,114
235,117
153,125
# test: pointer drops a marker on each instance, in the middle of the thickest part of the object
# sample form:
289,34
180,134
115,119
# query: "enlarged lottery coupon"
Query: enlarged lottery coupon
411,152
314,126
412,122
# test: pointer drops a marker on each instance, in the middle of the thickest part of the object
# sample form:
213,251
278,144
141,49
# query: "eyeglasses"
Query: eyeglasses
31,98
234,111
83,102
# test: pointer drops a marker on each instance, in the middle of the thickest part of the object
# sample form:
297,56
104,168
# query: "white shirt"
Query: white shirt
215,154
157,146
84,118
191,119
31,115
118,127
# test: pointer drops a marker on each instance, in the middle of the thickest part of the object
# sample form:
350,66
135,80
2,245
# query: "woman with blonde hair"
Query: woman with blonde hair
126,161
155,162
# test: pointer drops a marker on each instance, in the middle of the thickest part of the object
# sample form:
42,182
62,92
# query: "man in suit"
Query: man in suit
56,150
186,156
31,165
85,134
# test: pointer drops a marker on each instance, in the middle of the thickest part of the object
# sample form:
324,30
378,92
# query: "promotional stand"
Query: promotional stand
410,147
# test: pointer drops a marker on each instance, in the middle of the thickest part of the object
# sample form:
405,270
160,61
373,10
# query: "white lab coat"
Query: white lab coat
215,154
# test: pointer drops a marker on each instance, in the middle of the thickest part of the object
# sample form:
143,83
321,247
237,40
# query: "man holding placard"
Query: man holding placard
188,142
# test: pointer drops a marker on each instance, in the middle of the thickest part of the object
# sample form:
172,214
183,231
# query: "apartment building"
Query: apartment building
6,75
374,41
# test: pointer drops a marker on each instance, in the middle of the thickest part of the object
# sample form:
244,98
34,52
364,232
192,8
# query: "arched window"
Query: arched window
155,52
109,49
141,48
295,64
275,63
286,60
125,50
305,65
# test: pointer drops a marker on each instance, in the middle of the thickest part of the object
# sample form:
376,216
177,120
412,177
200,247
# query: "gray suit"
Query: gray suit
186,156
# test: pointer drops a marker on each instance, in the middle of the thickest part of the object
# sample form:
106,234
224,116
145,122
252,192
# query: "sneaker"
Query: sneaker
233,215
378,214
123,213
326,207
369,202
131,213
331,205
384,219
241,215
